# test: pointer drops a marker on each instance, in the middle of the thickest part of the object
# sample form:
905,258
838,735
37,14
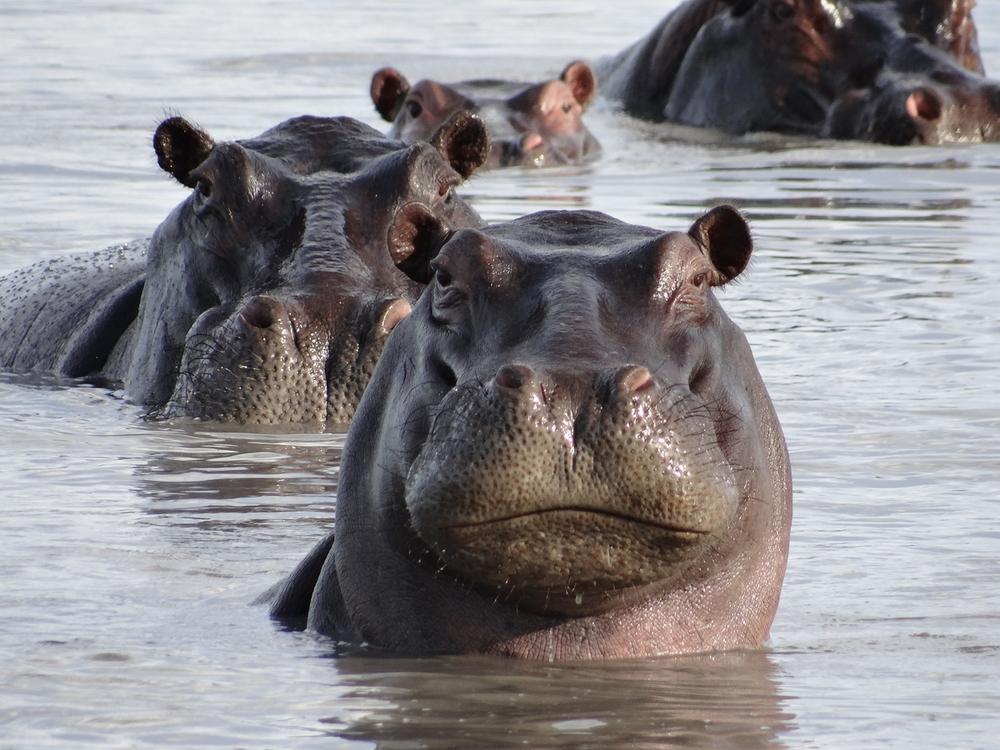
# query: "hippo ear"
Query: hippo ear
414,239
947,24
581,80
389,89
724,235
180,148
464,141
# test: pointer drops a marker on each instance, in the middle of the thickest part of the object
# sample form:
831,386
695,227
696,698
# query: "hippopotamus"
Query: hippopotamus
889,71
267,294
566,451
537,124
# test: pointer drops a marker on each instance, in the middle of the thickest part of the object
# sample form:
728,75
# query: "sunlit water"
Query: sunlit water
129,552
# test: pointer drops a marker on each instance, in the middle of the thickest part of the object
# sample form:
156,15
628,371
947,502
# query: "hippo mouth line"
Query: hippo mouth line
581,510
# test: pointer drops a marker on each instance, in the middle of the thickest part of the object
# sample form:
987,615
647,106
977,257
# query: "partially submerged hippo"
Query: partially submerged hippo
267,294
529,124
565,452
891,71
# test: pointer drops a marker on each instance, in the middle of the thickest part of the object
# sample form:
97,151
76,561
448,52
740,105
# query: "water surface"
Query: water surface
129,551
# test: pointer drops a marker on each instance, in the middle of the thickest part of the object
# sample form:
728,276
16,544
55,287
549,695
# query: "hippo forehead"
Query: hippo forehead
564,252
311,144
440,98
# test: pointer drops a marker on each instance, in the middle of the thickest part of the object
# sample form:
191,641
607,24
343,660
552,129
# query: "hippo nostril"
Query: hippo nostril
259,312
531,141
923,104
633,379
392,312
513,377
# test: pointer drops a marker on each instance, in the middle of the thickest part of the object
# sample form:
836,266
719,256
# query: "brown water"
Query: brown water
129,551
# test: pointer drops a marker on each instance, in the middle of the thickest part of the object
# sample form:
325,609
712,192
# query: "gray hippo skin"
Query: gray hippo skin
888,71
529,124
267,294
565,452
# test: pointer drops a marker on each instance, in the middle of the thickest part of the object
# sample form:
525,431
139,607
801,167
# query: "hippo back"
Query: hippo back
68,314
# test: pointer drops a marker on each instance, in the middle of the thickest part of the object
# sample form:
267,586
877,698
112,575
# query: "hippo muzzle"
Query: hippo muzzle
570,494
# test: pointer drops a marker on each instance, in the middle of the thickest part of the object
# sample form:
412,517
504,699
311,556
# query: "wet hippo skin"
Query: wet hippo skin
267,294
565,452
890,71
529,124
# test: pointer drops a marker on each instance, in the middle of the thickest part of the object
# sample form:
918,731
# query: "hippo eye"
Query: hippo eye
567,108
203,205
700,280
413,108
742,8
782,10
204,187
443,278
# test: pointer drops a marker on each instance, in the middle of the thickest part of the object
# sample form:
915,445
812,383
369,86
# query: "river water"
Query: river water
129,551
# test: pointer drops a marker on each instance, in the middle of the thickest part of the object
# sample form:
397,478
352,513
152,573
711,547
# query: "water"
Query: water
129,551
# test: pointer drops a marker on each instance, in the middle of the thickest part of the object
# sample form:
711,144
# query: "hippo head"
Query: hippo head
893,71
537,124
566,451
270,290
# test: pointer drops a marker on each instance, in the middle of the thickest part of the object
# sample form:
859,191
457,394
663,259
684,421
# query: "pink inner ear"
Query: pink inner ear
581,81
388,89
923,105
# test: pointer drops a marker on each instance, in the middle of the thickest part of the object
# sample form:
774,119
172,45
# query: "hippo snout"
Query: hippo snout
525,149
559,491
968,113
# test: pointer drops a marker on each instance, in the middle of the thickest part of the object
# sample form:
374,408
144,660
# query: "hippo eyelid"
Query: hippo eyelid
441,276
742,8
782,10
204,186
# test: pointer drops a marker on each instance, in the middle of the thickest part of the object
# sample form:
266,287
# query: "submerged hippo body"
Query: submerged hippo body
565,452
267,294
890,71
529,124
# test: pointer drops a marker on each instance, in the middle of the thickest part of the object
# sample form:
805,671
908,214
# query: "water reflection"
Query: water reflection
217,478
720,701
